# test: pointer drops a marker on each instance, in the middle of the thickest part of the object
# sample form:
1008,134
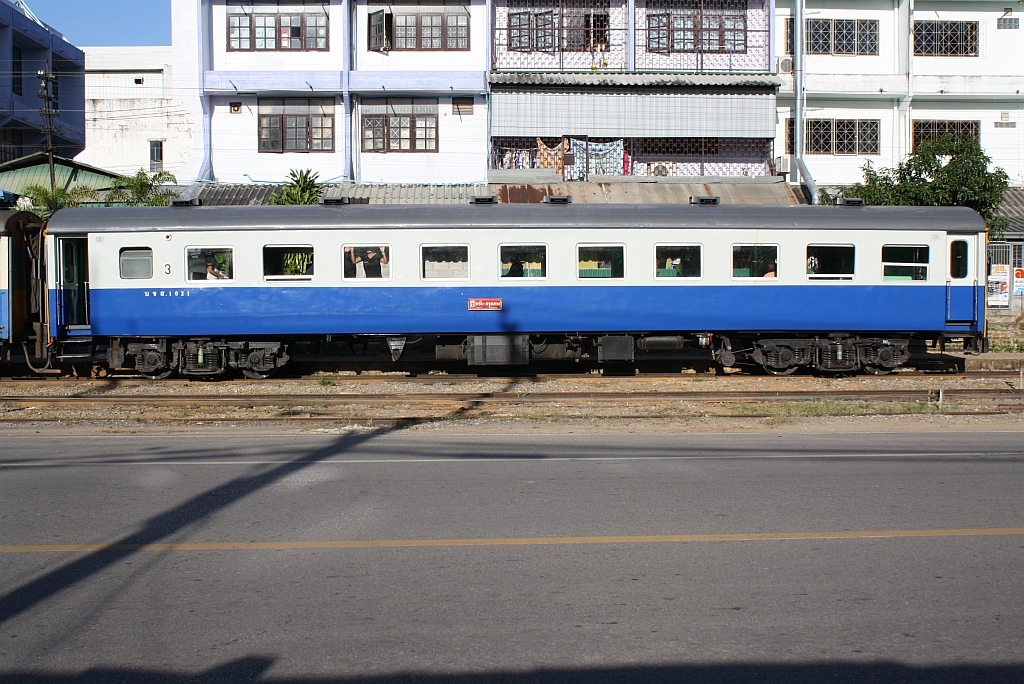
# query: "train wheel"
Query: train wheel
877,370
158,375
789,370
258,375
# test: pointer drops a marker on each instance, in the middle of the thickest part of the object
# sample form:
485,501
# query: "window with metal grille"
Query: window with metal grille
399,125
584,30
11,144
837,37
932,129
837,136
296,125
946,38
558,26
1007,23
278,25
414,30
704,27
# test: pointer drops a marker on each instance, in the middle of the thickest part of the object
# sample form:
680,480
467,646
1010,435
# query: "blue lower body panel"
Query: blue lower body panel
284,311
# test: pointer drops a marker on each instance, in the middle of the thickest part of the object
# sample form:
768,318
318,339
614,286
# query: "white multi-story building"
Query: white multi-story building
131,119
882,75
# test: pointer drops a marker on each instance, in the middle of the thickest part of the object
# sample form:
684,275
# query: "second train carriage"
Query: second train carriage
199,290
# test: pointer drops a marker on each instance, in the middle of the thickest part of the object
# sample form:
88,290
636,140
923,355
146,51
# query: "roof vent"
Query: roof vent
705,199
483,199
181,202
334,201
557,199
849,202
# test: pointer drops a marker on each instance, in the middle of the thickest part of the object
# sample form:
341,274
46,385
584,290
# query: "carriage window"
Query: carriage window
755,261
210,263
448,262
136,263
602,262
677,262
904,263
366,261
830,262
288,262
524,261
958,259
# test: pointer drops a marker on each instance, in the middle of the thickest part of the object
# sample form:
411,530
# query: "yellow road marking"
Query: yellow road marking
514,541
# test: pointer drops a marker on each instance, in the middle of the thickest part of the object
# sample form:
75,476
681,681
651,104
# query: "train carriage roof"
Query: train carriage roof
511,216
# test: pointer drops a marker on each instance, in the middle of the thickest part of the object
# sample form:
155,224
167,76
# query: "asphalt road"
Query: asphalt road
420,557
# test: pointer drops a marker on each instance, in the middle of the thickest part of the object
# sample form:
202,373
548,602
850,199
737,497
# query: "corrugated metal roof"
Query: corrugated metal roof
234,194
512,217
34,169
778,194
1012,208
406,193
521,78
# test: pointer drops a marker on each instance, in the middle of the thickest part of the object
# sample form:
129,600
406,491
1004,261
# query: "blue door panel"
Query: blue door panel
377,310
961,303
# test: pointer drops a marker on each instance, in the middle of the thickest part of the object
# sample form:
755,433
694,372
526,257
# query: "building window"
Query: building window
399,125
11,141
412,30
1008,23
156,156
462,106
136,263
904,263
584,29
711,27
837,37
296,125
559,26
837,136
930,130
283,25
946,38
16,84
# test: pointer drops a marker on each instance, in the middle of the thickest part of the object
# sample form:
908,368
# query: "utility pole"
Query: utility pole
51,100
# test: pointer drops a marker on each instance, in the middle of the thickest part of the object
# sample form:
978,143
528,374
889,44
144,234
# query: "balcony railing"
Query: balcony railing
668,35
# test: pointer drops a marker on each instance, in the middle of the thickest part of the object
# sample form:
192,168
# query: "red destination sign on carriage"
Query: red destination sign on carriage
484,304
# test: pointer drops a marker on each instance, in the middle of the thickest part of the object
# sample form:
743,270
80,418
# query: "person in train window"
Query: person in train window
770,273
211,270
372,258
515,270
348,263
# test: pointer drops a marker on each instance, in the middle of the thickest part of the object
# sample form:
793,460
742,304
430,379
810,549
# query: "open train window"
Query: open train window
601,261
288,262
900,262
830,262
958,259
210,263
361,262
444,262
136,263
755,261
681,261
524,261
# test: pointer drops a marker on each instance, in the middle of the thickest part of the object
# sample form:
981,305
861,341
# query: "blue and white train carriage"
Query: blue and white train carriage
199,290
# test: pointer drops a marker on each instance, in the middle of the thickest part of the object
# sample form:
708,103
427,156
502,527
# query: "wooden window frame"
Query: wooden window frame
390,29
251,18
697,33
386,128
282,131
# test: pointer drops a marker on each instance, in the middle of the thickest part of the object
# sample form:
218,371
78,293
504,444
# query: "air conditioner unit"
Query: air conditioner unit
785,65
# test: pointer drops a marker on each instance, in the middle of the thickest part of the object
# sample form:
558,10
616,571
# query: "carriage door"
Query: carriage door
961,279
73,285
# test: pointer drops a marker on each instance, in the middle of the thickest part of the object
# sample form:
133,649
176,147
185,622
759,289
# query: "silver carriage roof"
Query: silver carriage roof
510,216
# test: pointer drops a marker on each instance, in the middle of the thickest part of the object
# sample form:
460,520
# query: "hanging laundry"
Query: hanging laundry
550,157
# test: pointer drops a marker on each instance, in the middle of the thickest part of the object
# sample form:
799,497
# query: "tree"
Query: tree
302,188
142,189
47,202
948,171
